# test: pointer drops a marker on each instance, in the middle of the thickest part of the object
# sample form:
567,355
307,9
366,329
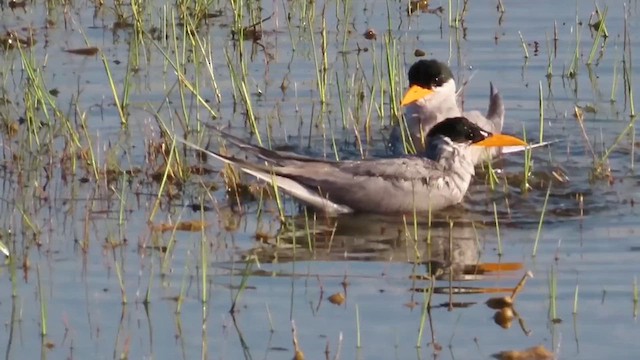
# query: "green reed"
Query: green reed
204,266
393,68
321,62
553,294
346,14
528,164
246,273
43,304
425,311
575,60
4,249
497,222
240,82
601,25
541,111
279,202
123,289
549,59
168,253
614,82
92,155
524,46
183,285
358,343
575,299
541,221
627,68
37,100
147,296
164,183
343,110
120,104
308,231
635,297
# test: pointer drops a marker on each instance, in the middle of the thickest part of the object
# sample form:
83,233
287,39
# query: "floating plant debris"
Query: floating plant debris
507,301
13,4
337,299
88,51
533,353
423,7
194,225
12,40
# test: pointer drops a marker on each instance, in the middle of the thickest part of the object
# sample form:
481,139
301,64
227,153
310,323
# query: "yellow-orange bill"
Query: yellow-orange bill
415,93
501,140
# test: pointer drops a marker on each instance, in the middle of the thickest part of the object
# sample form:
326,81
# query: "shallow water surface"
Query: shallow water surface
89,206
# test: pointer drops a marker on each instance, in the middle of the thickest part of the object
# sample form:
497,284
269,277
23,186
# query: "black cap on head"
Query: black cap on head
459,129
429,73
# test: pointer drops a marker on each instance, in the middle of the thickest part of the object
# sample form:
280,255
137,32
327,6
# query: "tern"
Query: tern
435,179
432,97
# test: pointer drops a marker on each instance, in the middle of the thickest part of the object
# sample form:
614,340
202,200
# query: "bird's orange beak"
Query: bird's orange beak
414,94
501,140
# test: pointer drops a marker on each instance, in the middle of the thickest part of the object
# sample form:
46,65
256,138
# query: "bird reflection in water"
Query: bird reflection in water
449,249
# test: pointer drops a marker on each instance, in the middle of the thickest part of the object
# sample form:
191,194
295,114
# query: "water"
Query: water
75,239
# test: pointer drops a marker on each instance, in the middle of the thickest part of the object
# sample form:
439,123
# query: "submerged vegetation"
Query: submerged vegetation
119,240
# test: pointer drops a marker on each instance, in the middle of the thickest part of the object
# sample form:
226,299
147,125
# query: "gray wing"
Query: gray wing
277,176
399,185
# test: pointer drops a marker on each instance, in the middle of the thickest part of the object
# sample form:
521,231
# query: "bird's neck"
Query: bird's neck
446,107
455,158
424,114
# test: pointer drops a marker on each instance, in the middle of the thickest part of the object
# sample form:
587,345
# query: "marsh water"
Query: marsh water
91,196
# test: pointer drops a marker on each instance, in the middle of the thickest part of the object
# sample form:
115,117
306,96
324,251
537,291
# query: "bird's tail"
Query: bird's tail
274,175
495,114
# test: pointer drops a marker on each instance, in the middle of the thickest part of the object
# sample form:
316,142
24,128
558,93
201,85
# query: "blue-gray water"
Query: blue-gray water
591,249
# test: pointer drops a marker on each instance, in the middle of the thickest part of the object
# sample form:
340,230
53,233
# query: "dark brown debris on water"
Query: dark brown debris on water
263,237
195,207
419,53
10,39
252,32
199,170
456,304
370,34
88,51
13,4
214,14
122,24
